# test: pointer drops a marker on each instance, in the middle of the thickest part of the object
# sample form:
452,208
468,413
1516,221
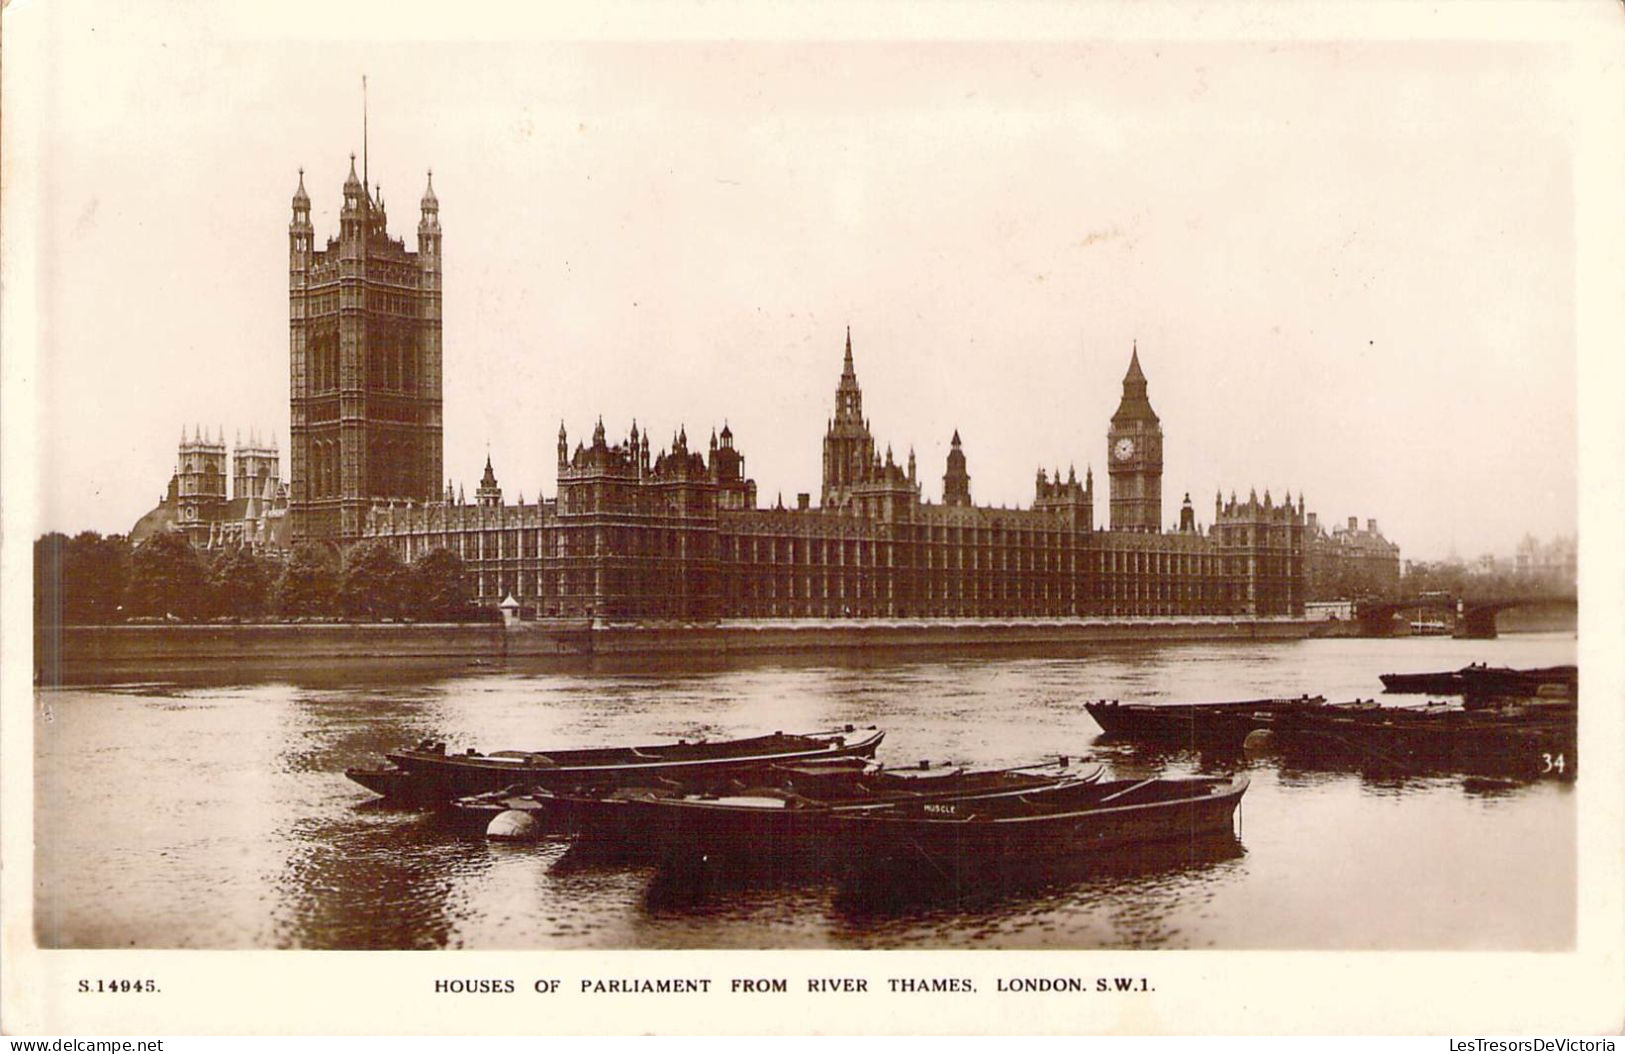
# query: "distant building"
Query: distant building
197,504
1556,562
1348,562
679,536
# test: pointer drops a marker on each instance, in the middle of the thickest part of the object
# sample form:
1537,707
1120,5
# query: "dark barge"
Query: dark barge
781,806
1479,680
1194,724
428,774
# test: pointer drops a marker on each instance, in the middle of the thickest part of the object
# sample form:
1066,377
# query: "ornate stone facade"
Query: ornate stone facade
364,361
679,536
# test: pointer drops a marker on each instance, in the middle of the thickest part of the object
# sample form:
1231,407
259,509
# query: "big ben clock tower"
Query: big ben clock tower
1134,457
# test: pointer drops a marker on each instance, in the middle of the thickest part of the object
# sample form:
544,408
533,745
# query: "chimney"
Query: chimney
1371,525
1354,523
1312,524
804,501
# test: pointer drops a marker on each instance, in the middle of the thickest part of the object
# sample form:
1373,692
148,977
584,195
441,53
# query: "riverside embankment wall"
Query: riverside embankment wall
78,653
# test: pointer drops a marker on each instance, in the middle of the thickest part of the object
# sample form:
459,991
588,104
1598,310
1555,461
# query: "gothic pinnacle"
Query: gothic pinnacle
1134,372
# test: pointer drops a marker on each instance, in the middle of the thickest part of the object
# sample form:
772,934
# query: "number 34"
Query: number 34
1551,763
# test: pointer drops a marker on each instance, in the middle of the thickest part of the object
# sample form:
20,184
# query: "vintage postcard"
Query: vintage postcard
953,518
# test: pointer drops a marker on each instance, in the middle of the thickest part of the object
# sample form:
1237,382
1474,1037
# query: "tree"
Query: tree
373,584
167,578
49,552
438,587
308,585
241,583
96,577
80,580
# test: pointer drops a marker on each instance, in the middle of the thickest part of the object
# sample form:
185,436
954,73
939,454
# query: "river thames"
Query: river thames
215,813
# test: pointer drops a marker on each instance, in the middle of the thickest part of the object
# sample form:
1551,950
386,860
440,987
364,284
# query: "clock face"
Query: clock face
1124,449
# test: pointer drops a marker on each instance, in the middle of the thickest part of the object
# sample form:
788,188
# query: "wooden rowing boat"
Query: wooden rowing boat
1025,829
1194,724
784,808
428,774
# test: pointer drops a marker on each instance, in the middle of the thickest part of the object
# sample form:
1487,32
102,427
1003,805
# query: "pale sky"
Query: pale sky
1350,268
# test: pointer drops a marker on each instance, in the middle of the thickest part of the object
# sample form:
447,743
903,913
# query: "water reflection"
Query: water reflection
212,811
1167,879
374,885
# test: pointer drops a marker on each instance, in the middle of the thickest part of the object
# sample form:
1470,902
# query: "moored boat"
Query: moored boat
1491,681
782,811
1534,740
1530,737
428,774
1478,679
1194,724
1447,682
1021,830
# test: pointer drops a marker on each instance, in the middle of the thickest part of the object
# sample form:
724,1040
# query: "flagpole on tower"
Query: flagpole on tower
366,187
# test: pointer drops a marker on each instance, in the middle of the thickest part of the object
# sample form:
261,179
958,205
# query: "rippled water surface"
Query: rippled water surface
215,813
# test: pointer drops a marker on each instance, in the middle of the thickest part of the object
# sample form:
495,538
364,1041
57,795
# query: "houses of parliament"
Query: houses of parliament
639,533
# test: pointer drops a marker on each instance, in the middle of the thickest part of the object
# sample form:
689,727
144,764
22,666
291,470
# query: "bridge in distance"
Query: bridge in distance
1472,617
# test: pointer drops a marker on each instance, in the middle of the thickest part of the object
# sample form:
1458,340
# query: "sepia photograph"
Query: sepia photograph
413,459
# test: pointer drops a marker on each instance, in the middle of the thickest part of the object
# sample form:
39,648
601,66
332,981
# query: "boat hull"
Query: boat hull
972,841
1194,724
1526,741
430,777
760,825
1064,823
1484,681
1449,683
1476,742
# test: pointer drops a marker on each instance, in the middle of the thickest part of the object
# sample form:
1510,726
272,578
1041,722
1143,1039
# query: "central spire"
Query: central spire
848,396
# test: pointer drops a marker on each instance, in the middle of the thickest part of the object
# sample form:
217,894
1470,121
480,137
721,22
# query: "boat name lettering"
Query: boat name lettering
948,810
